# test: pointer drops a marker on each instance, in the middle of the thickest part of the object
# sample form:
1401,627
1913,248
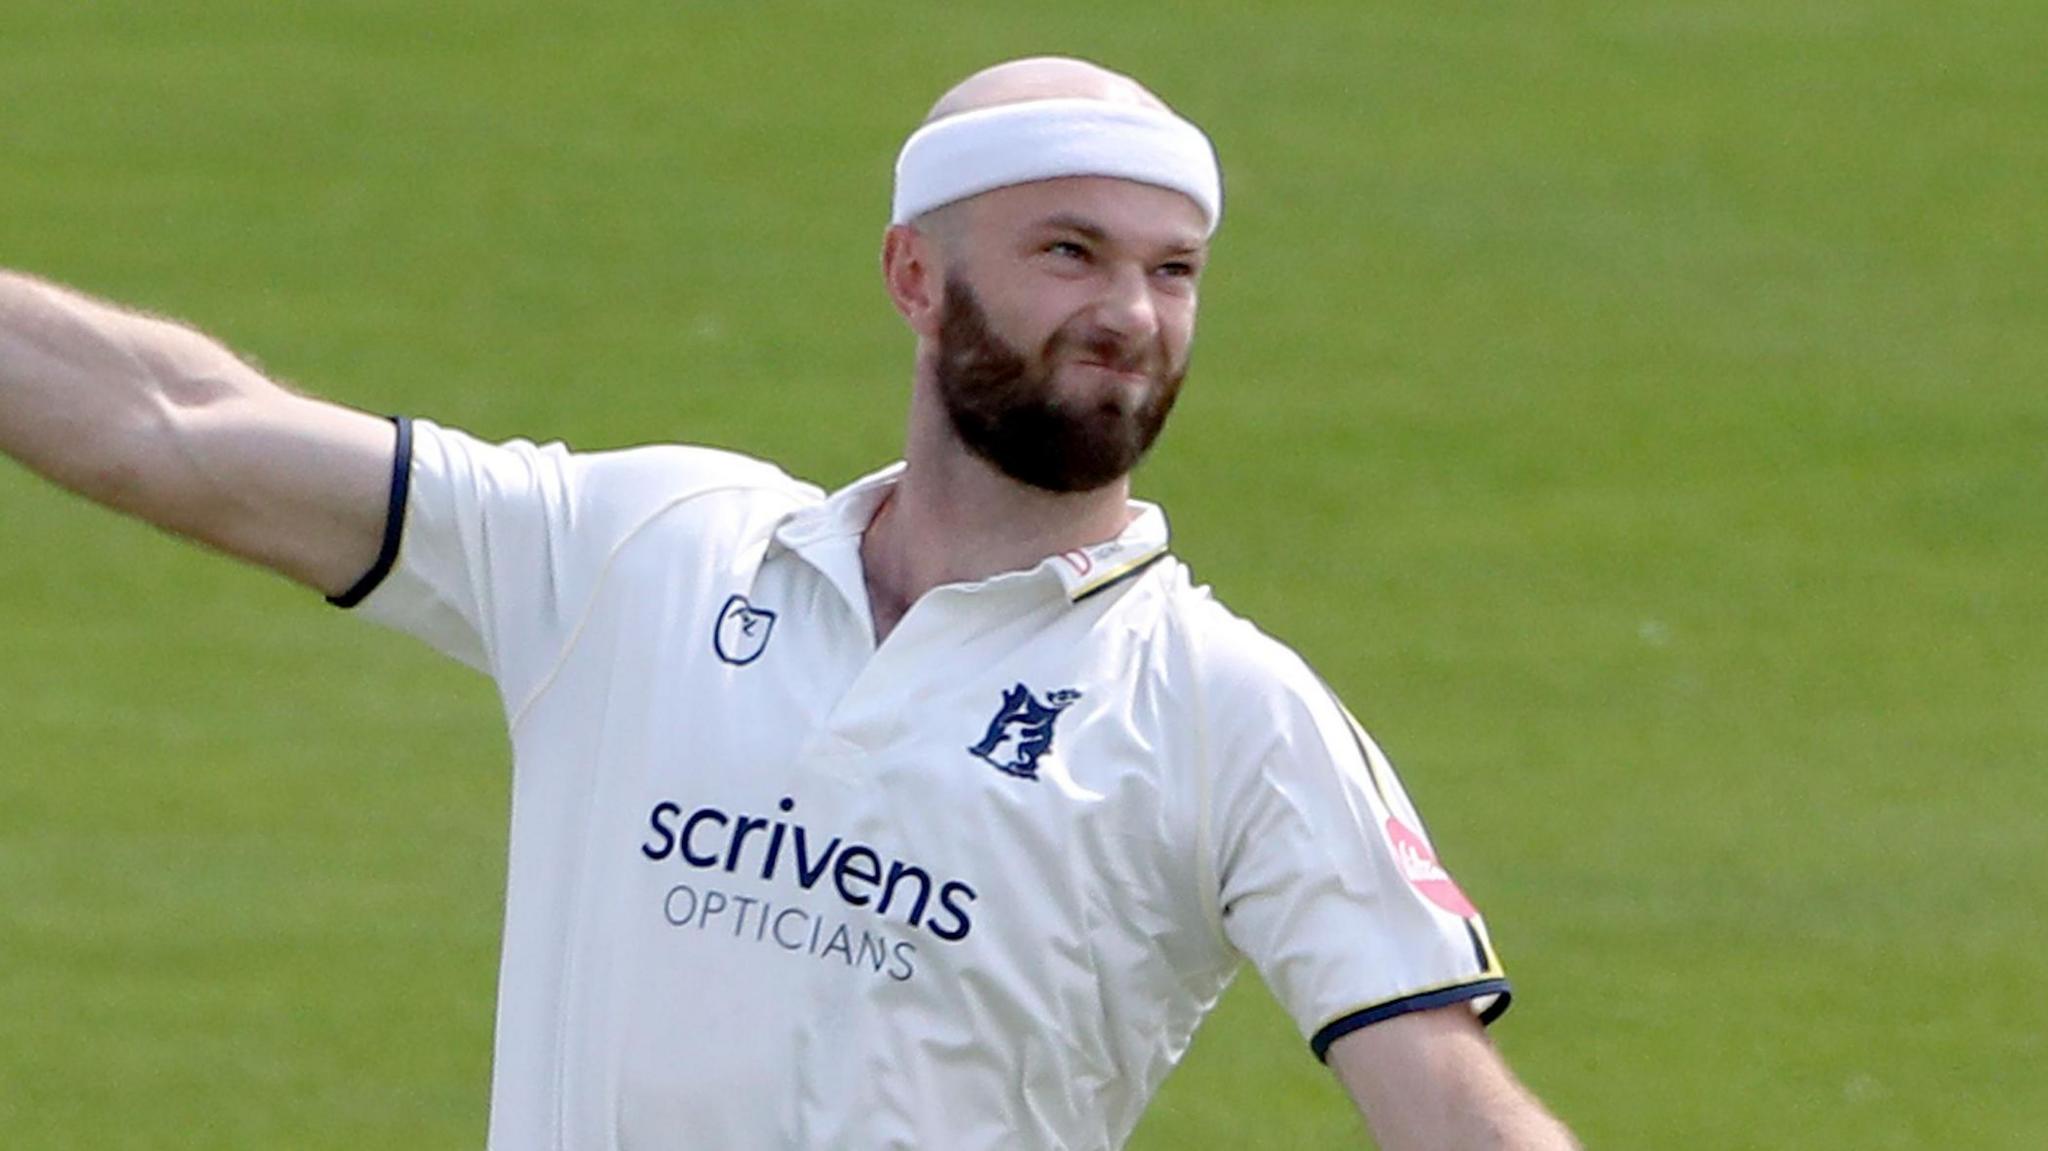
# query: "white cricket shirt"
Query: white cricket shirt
772,886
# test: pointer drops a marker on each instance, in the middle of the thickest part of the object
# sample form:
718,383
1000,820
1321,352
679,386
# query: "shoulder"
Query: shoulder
684,469
678,469
1233,662
1247,695
630,483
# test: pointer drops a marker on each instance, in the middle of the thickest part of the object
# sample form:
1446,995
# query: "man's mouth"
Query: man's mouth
1122,369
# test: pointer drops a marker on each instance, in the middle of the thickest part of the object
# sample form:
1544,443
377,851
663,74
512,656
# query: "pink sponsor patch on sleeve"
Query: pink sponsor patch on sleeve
1419,866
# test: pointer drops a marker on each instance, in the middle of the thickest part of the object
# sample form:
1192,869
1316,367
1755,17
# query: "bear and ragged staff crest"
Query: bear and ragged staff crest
1021,731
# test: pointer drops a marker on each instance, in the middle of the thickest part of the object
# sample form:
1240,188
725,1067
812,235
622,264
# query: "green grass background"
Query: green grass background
1637,410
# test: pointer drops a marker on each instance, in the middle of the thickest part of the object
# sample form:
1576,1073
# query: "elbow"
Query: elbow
116,466
148,457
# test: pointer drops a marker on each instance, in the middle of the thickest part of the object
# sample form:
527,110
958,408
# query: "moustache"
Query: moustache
1107,349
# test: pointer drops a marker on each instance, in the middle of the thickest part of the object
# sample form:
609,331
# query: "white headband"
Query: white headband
975,152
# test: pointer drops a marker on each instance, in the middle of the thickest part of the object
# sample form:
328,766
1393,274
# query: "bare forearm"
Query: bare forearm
1433,1082
85,386
1498,1115
156,420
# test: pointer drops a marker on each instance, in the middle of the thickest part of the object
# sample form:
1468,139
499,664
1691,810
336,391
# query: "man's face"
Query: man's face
1065,327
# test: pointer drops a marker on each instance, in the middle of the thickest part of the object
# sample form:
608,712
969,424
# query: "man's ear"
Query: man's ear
911,273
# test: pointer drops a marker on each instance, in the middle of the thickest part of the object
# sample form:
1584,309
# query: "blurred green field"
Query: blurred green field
1638,411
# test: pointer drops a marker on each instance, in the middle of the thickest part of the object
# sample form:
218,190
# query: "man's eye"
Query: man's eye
1067,248
1177,270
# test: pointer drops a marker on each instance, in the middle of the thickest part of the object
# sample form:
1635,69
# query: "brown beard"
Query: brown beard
1008,410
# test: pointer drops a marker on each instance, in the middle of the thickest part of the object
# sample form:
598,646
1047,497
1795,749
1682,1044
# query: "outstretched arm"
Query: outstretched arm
153,419
1432,1080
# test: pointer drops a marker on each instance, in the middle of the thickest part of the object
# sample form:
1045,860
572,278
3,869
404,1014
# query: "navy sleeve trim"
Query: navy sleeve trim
1423,1001
394,520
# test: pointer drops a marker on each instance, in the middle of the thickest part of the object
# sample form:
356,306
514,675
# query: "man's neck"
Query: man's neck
953,518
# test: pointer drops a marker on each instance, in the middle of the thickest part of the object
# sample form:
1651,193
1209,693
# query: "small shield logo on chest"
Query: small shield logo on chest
742,631
1021,732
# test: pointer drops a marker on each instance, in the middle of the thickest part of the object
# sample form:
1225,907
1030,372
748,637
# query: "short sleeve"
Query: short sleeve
1329,884
494,549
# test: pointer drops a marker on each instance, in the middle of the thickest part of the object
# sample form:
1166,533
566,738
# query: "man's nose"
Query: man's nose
1126,306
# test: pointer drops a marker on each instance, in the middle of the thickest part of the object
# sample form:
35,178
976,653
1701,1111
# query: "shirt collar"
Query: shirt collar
844,515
